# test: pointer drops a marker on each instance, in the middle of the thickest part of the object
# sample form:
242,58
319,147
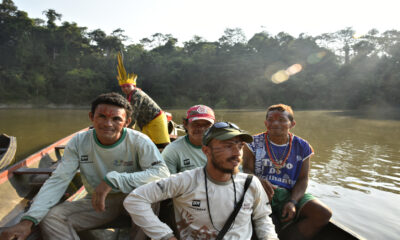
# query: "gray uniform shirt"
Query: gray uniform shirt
130,162
181,155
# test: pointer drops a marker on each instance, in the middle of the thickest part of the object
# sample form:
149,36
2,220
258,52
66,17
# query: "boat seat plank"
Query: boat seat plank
22,171
123,221
37,171
59,147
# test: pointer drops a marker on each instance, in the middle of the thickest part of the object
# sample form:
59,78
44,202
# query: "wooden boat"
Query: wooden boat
336,231
20,182
8,147
332,231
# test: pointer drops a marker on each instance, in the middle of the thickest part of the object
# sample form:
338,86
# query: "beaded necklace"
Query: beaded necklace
278,163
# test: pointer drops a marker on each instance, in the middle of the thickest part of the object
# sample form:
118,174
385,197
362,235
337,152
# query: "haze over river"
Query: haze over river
355,169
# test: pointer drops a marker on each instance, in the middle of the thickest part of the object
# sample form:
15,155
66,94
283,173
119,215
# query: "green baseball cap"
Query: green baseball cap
225,131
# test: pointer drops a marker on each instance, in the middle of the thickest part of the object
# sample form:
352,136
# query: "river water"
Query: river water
355,169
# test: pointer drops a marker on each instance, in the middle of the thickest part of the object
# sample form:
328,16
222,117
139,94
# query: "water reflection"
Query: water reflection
352,152
355,169
358,167
37,128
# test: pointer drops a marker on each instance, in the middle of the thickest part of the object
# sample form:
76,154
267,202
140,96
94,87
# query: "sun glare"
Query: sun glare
283,75
295,68
280,77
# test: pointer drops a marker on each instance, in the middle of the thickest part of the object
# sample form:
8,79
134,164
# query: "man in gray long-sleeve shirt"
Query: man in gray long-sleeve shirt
113,160
205,197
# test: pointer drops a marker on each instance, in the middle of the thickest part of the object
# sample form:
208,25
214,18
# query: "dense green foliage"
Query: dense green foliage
42,63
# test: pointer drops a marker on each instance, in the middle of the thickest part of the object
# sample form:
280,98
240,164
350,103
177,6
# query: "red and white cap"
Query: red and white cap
199,112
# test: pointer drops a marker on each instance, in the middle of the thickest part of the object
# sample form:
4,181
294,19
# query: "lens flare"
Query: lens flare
283,75
316,57
280,77
295,68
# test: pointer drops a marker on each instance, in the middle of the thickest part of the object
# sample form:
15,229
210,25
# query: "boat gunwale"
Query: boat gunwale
7,173
346,229
10,151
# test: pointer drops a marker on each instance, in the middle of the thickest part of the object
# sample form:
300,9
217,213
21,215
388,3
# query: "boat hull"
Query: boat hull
17,190
8,147
335,231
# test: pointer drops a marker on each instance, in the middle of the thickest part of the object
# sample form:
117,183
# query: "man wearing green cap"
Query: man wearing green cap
204,198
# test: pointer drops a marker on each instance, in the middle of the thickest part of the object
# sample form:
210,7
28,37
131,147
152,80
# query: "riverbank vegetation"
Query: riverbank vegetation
45,63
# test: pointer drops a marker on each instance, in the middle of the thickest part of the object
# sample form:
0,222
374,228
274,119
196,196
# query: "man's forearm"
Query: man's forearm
299,189
138,204
126,182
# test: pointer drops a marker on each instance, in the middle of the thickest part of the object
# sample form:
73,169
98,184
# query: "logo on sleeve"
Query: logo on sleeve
84,158
196,203
119,163
186,162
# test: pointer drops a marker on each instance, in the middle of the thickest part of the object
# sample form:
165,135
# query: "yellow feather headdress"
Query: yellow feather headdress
122,77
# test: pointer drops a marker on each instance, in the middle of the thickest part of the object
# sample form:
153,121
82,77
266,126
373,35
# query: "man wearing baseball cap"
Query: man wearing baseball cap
213,202
185,152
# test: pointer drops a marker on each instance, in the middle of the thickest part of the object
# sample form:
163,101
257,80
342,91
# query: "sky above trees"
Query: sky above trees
209,18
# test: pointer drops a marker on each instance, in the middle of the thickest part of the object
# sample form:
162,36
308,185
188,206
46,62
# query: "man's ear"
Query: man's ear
265,122
206,150
91,116
292,123
128,121
185,123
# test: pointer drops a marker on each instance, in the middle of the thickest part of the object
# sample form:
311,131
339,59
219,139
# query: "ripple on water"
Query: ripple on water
383,160
390,177
355,209
317,166
365,186
368,171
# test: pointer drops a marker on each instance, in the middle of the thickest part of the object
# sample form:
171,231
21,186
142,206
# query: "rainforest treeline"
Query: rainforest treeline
44,63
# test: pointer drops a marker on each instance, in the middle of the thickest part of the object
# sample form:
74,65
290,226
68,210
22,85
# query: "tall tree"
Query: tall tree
341,41
52,16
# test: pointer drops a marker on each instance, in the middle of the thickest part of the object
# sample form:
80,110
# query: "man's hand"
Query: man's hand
288,212
99,196
19,231
268,187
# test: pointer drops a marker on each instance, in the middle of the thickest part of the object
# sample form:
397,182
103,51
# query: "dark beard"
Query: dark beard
220,168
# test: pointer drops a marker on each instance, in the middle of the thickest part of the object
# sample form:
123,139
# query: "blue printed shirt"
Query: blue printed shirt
289,173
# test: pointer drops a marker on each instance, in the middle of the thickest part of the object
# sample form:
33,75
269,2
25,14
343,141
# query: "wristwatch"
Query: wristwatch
294,202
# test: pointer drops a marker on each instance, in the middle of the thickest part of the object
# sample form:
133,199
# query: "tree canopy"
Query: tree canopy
42,62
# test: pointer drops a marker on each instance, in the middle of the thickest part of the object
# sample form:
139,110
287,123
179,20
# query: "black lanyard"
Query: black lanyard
208,203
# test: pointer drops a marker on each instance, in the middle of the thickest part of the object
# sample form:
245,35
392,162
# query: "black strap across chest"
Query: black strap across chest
238,206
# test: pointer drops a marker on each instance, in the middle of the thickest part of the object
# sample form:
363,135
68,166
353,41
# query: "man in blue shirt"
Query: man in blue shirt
281,161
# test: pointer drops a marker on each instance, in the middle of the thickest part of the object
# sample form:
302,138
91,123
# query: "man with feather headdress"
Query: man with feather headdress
149,117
